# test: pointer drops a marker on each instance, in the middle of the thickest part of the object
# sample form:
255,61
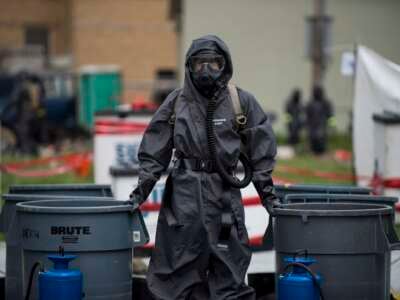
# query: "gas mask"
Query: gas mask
206,69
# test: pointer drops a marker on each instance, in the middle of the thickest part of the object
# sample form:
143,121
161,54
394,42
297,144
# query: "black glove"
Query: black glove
271,203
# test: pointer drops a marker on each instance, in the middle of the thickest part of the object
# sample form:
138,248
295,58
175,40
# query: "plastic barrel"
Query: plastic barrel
283,190
350,241
99,232
340,198
14,285
8,224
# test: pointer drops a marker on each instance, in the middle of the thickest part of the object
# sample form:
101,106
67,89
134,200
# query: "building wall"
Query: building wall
16,15
134,34
266,39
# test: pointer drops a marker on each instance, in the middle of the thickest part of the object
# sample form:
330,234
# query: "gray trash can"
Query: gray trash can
8,223
283,190
99,232
351,243
341,198
24,193
8,220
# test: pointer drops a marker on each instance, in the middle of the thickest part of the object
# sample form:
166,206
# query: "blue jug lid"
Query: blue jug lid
61,261
307,261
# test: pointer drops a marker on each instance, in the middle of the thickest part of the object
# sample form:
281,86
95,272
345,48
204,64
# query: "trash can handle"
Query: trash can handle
395,246
140,234
391,238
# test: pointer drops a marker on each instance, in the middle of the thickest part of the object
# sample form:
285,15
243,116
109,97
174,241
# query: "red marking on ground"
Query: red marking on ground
311,173
50,166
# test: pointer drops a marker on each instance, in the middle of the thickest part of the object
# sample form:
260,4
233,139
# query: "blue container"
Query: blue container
298,284
60,283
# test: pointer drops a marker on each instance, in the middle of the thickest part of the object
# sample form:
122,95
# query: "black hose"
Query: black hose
313,275
28,291
231,180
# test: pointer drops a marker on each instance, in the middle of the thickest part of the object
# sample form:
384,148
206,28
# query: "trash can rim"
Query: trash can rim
346,209
341,196
311,187
46,197
21,187
56,206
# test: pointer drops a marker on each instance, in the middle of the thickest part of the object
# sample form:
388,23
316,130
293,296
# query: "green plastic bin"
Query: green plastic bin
100,88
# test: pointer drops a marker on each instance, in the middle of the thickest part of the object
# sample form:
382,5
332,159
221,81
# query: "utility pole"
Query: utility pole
318,40
318,61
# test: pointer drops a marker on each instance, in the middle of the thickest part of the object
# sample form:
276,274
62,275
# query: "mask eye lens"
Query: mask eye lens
215,62
198,64
215,66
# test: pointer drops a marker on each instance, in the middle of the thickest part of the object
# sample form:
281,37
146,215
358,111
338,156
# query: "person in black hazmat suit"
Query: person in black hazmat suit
318,111
27,101
295,111
191,260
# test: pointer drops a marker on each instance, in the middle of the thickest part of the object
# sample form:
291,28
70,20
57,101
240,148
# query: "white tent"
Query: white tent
377,89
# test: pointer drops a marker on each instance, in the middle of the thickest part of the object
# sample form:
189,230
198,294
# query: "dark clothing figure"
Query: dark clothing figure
24,120
187,262
295,112
319,110
27,103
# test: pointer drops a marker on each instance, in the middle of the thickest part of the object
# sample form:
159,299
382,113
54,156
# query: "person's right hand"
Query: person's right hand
134,201
272,203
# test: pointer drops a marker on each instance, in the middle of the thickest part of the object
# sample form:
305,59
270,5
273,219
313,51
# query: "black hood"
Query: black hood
207,42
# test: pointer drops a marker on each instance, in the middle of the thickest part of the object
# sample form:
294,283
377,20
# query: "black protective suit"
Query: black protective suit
295,111
186,262
318,111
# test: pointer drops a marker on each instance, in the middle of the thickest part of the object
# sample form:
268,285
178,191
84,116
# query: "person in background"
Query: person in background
295,117
318,111
28,99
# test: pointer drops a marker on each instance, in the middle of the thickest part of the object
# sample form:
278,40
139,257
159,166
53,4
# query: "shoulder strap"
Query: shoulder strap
172,118
241,119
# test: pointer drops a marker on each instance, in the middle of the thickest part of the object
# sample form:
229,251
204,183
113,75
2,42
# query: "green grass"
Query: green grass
312,163
9,179
307,161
